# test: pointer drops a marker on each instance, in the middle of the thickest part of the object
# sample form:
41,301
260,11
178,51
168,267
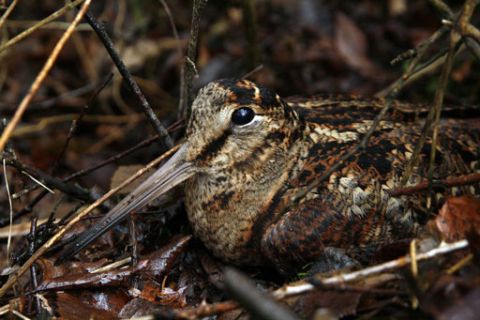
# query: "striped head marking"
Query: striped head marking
231,119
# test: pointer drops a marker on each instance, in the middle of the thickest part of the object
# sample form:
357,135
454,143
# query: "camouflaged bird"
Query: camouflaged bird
249,158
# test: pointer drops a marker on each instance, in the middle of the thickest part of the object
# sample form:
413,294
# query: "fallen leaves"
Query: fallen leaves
144,280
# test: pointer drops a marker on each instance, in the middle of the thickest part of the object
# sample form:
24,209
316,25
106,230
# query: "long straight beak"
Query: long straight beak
173,172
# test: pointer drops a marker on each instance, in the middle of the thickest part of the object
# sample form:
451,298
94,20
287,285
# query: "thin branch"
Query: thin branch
120,155
47,245
75,122
33,273
439,95
41,76
10,205
7,13
390,92
433,116
186,83
250,25
38,182
41,23
253,71
51,182
203,310
172,25
331,282
414,69
292,290
28,208
442,7
132,84
447,183
258,304
474,47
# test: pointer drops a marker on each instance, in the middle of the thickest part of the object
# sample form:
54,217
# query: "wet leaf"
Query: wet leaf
51,271
71,307
89,280
161,261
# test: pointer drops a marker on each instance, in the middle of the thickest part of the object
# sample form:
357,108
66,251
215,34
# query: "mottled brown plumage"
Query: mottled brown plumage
244,181
240,201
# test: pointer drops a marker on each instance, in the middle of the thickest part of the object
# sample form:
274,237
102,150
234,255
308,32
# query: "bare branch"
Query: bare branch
41,76
107,42
188,72
47,245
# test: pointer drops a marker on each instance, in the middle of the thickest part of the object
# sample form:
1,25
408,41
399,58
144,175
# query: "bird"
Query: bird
249,159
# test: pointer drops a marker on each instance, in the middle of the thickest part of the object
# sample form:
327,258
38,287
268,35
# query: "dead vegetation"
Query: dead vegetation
82,89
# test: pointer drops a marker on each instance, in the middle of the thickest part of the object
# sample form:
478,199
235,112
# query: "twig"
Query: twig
54,101
114,265
94,118
292,290
75,122
134,249
39,24
19,315
460,264
442,7
120,155
470,31
414,271
253,71
46,179
47,245
201,311
438,100
10,205
7,13
390,92
33,273
474,47
38,182
258,304
447,183
172,25
330,282
466,29
41,76
186,86
414,69
433,116
182,97
250,25
28,208
53,25
108,44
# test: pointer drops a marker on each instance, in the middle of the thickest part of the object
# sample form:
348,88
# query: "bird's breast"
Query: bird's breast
229,210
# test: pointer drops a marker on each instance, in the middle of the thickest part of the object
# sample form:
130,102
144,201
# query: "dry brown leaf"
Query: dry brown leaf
351,44
458,217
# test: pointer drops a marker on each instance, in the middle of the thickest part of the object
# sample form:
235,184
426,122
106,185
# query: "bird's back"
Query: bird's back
358,195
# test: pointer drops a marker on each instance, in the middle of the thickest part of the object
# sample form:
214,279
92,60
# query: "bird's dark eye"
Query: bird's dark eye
242,116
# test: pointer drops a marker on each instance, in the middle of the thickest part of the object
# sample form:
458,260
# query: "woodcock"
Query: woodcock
249,159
